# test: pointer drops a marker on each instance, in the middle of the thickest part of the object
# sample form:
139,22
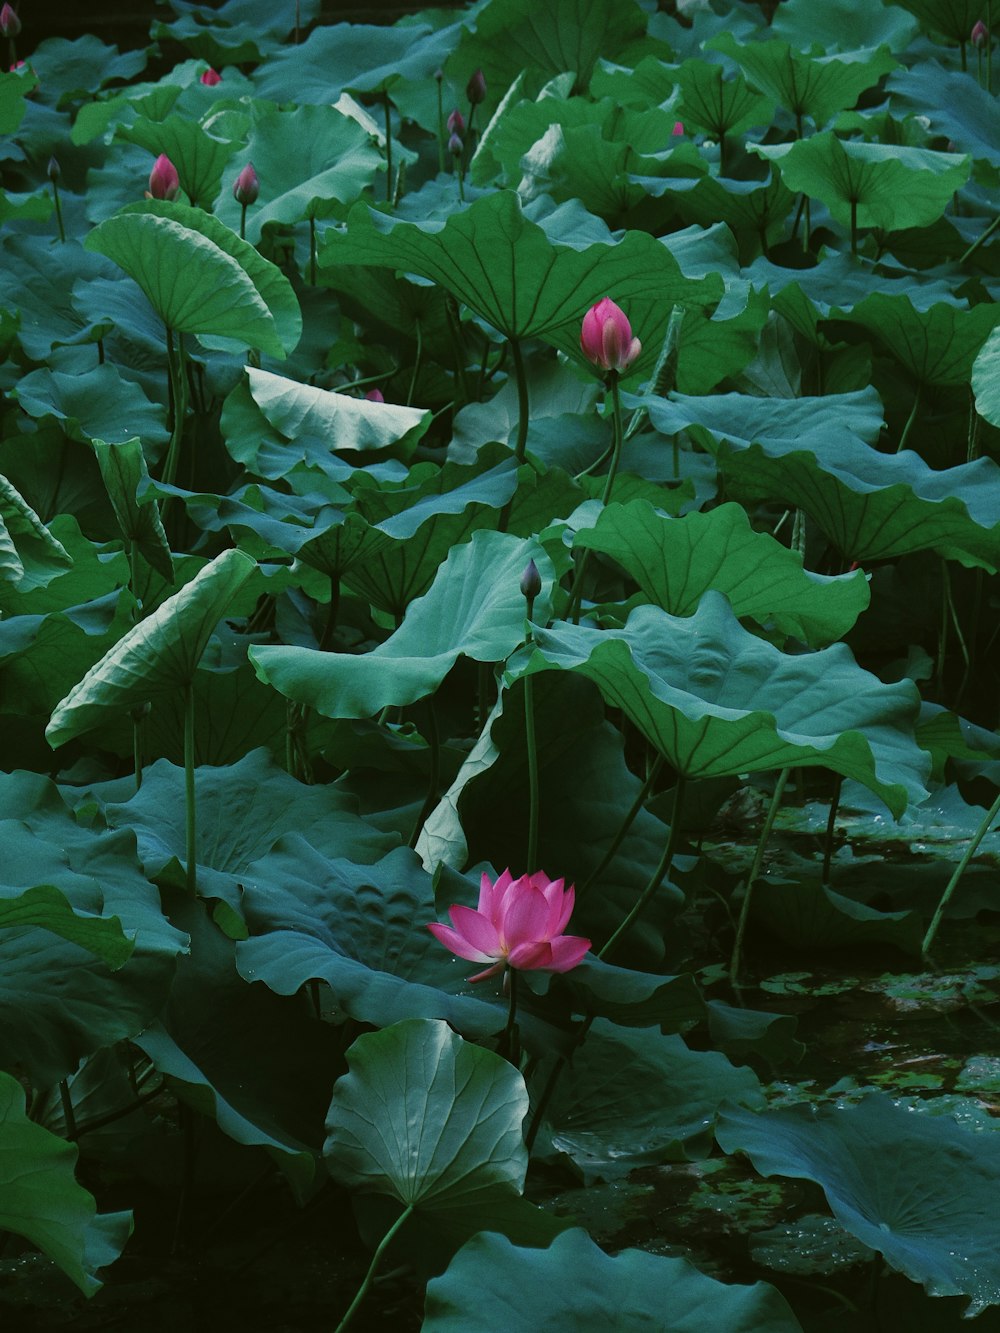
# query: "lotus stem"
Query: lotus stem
831,827
243,222
434,782
388,152
509,1046
617,441
980,240
440,127
416,365
383,1245
532,751
312,251
910,420
190,825
854,227
59,216
67,1106
755,868
959,871
625,825
523,407
179,402
661,871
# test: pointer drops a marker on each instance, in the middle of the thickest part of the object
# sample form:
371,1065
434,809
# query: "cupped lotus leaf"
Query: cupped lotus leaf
41,1200
890,1176
716,105
937,345
887,186
243,30
194,284
507,269
158,655
951,18
813,86
123,467
757,207
842,24
675,560
199,157
47,908
310,161
474,608
640,1098
566,36
574,1285
100,404
30,557
716,700
954,104
426,1118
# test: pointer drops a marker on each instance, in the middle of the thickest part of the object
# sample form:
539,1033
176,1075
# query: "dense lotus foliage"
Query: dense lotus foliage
535,465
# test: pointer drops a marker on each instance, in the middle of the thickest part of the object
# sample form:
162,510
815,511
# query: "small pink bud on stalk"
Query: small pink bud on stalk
980,34
455,146
375,396
211,77
475,89
678,129
606,337
10,24
164,182
246,188
456,122
531,582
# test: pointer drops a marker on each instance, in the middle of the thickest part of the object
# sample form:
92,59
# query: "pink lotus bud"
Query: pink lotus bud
455,146
980,34
164,182
518,923
456,122
246,186
375,396
606,337
475,89
10,24
531,581
678,129
211,77
18,64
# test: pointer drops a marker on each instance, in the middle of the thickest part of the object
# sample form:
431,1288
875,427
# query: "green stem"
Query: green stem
755,868
388,152
625,825
178,402
243,222
331,616
67,1105
312,251
661,871
617,440
529,734
831,827
523,407
960,869
59,216
509,1046
383,1245
854,227
190,828
910,420
416,365
434,745
980,240
138,727
440,128
989,46
461,184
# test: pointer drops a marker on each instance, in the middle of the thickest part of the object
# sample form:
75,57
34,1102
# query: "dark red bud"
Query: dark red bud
531,581
475,89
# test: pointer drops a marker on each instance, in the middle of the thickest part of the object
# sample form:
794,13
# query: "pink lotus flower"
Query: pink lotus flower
164,182
517,924
980,34
246,186
606,337
10,24
211,77
678,129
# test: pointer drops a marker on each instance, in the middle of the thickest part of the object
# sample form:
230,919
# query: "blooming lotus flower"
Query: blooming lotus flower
211,77
164,182
606,337
246,186
475,89
456,122
375,396
10,24
518,924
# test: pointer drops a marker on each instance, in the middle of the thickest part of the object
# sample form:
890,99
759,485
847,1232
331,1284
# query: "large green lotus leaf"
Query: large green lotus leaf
954,104
843,25
261,1069
635,1097
711,350
756,207
40,1199
474,608
200,157
38,283
30,557
716,700
244,809
986,379
14,88
716,105
890,186
507,269
123,467
890,1177
159,655
950,18
78,68
808,915
362,930
310,161
427,1118
872,506
45,907
813,86
566,36
675,560
243,30
574,1285
192,283
937,345
99,404
93,570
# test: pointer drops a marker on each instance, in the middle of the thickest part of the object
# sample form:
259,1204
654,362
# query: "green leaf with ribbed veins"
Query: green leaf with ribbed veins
123,467
891,187
937,345
47,908
200,157
675,560
158,655
30,557
954,19
813,86
40,1199
194,284
716,700
474,608
716,105
97,404
507,269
